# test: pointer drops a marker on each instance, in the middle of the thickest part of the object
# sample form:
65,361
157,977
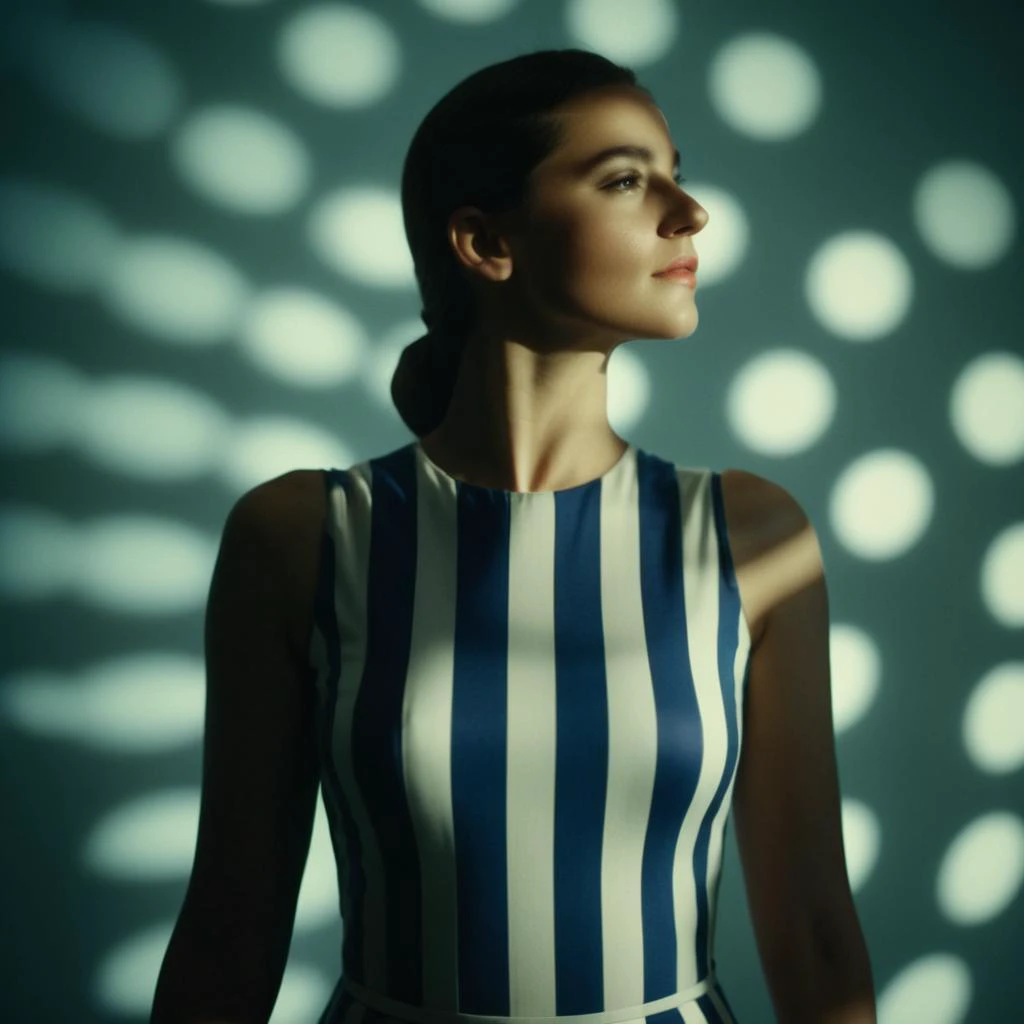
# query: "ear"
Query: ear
478,244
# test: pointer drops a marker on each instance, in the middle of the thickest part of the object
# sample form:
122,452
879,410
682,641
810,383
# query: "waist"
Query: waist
422,1015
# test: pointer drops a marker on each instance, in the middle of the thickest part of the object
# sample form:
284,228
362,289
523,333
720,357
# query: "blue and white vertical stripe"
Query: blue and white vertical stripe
530,719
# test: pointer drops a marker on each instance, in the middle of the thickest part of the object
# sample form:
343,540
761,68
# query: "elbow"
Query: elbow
828,980
206,980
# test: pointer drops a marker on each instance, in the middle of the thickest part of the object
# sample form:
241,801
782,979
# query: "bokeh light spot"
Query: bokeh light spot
267,446
242,160
359,232
986,408
637,34
981,871
303,339
53,237
152,837
339,55
112,79
175,290
882,504
765,86
862,840
781,402
1002,577
965,214
134,704
856,670
859,286
936,988
992,727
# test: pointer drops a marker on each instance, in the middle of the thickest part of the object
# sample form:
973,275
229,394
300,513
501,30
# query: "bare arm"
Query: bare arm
787,799
227,954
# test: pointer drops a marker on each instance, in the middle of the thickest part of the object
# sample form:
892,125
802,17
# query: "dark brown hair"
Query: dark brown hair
476,147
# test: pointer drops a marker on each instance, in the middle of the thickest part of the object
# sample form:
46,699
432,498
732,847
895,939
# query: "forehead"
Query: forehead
598,120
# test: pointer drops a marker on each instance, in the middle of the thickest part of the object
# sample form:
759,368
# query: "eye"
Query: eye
677,178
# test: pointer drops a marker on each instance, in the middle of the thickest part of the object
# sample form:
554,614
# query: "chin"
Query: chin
676,327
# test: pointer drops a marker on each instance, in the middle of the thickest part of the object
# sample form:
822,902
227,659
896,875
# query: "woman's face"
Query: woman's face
581,259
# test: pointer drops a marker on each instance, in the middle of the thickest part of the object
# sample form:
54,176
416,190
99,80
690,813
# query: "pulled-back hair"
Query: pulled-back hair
476,147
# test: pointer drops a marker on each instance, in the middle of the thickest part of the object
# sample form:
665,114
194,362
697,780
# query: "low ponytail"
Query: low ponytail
424,380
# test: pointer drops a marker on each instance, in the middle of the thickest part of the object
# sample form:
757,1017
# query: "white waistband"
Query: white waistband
421,1015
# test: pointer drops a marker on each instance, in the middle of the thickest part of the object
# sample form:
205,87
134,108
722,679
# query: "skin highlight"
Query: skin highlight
559,285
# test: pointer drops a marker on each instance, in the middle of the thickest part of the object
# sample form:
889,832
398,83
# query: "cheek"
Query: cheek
609,266
590,261
593,256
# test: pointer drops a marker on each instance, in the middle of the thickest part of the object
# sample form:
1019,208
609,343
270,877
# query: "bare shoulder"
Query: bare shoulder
759,503
298,495
764,521
286,515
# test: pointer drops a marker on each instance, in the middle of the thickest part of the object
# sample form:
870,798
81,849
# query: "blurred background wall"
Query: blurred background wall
205,283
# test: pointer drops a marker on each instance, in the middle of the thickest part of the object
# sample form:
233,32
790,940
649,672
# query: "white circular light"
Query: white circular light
1002,577
53,237
986,408
936,988
339,55
298,336
629,389
113,79
40,401
152,429
360,233
469,12
981,872
131,705
781,402
723,242
176,290
152,837
882,504
38,554
141,565
965,214
765,86
856,669
126,977
861,842
242,160
859,286
637,34
992,731
266,447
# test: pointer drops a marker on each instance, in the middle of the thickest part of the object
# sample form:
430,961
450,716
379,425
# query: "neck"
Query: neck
526,420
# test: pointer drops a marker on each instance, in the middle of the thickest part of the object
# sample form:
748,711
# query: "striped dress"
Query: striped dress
529,718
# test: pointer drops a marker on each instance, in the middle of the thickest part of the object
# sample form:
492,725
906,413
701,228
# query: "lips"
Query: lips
683,263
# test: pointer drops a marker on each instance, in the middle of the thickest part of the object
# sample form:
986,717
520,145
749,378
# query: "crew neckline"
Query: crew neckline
522,494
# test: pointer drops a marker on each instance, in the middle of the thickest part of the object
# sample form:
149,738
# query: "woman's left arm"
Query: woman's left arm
786,800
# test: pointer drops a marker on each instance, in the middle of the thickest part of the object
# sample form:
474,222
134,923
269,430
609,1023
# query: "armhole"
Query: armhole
314,542
728,520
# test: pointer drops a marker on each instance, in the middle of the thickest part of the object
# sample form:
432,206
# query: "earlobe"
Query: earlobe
476,247
497,267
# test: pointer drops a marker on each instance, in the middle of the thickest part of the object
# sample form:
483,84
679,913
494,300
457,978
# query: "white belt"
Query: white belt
422,1015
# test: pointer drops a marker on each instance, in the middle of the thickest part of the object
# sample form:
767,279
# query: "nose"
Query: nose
688,216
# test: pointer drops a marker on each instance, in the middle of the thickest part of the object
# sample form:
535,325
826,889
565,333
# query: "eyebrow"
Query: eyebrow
641,153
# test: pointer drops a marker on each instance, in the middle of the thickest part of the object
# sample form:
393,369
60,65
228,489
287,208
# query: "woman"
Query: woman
522,657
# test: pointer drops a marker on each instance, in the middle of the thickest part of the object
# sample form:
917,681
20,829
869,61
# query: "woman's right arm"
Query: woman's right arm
228,950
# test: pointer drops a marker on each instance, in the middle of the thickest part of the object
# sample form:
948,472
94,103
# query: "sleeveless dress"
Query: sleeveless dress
529,718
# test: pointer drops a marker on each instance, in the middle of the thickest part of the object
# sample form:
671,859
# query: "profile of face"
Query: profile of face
576,267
